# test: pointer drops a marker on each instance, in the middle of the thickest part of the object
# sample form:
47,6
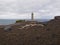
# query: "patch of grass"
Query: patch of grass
20,21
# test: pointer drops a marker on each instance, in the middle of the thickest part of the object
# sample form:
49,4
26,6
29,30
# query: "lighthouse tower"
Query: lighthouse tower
32,16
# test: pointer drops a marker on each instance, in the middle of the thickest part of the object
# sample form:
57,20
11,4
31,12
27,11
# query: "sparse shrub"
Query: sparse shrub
37,38
48,29
53,35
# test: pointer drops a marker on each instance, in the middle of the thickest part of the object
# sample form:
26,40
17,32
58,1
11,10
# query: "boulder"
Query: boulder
7,28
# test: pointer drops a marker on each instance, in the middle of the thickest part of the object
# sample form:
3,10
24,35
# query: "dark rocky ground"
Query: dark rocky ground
48,34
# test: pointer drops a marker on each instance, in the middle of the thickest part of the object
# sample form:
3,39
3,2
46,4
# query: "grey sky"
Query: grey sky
21,9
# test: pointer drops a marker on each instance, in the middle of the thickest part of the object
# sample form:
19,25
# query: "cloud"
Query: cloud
12,9
21,6
9,15
30,5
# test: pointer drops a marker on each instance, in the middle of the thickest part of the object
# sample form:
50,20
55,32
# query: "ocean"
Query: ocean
7,21
12,21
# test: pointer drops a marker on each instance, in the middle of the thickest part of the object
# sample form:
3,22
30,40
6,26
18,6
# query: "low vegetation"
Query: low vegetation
18,21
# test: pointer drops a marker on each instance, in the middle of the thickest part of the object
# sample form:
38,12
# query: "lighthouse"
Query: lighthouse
32,16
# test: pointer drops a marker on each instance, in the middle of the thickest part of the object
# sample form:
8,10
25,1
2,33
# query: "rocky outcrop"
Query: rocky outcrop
57,17
53,28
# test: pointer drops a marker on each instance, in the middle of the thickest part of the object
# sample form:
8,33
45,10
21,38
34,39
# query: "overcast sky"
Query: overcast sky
22,9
